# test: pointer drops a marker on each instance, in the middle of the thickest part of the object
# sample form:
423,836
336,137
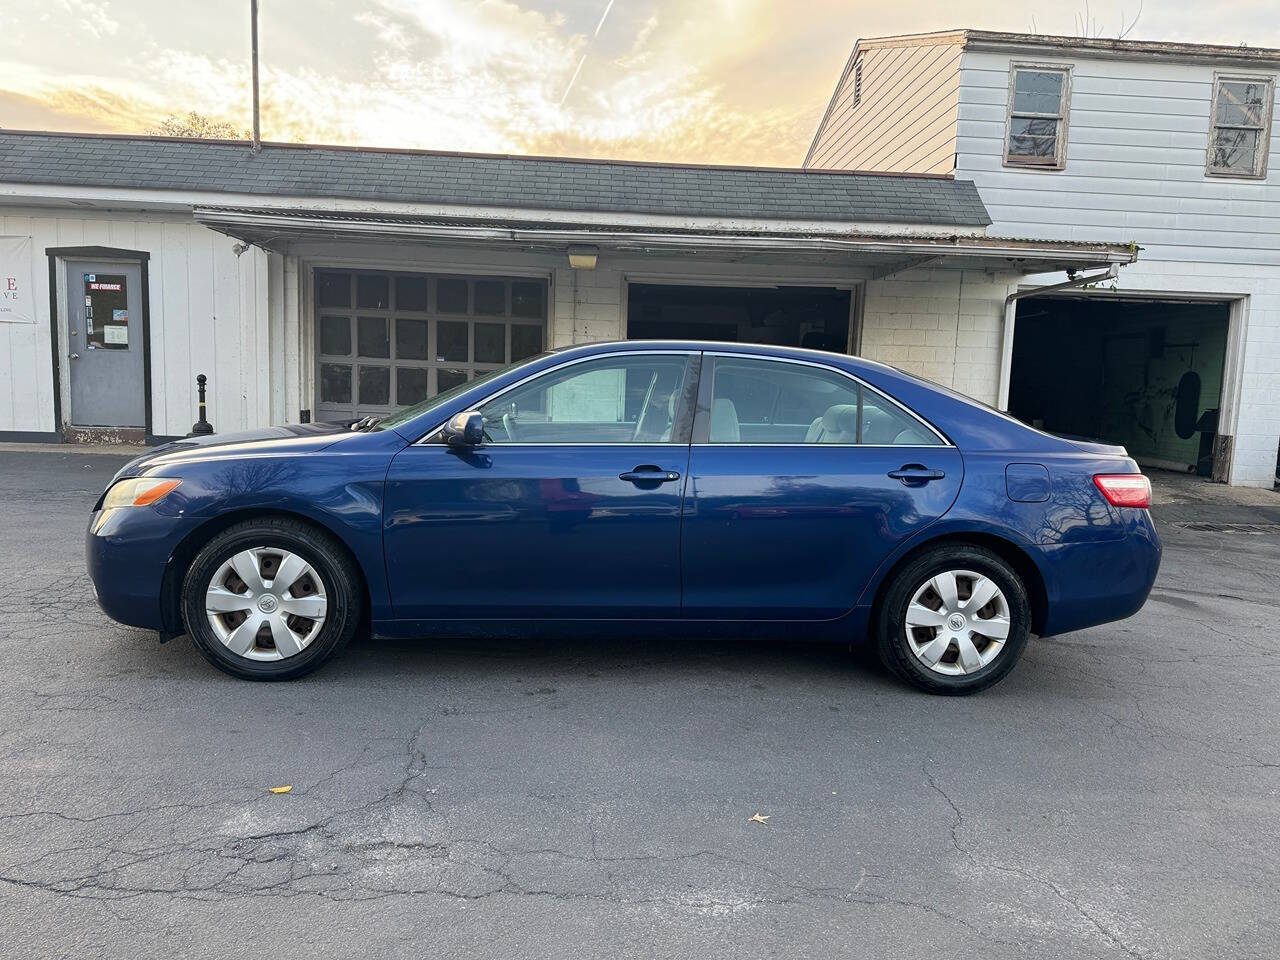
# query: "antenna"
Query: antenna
253,27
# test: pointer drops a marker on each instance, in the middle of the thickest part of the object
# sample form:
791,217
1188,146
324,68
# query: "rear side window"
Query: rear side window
773,401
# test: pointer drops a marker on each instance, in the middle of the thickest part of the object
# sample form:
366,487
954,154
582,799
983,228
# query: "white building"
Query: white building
317,282
1165,144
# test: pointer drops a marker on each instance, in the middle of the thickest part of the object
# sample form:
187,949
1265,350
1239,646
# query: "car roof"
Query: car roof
722,346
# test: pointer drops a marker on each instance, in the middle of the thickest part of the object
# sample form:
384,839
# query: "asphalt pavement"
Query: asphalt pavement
1117,796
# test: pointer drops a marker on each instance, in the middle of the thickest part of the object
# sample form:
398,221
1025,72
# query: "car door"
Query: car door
570,507
801,480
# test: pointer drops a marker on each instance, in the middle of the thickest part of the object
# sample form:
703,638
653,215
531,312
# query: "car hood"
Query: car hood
292,436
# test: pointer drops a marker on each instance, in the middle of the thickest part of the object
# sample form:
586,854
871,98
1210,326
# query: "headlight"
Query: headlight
138,492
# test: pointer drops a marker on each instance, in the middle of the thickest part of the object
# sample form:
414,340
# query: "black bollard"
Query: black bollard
201,427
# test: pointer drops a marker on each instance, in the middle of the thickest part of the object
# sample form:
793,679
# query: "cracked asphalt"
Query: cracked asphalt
1118,796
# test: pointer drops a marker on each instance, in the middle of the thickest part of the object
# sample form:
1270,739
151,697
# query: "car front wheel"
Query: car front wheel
954,620
271,599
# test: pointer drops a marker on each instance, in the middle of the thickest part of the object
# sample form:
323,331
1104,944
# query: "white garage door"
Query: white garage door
385,340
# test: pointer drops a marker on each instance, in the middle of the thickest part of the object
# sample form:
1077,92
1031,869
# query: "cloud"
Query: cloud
89,16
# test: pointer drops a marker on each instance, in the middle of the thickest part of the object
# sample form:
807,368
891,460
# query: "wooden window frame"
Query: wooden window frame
1059,160
1259,171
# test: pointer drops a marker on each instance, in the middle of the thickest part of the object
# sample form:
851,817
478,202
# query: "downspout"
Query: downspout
1011,315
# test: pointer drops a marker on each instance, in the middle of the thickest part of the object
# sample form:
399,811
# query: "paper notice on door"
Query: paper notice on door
119,316
115,334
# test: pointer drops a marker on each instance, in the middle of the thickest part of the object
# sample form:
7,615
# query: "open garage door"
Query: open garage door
814,317
1144,373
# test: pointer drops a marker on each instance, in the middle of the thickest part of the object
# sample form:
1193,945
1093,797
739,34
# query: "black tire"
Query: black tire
343,581
891,637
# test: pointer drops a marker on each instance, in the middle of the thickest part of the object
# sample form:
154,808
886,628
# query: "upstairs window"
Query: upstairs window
1039,98
1240,126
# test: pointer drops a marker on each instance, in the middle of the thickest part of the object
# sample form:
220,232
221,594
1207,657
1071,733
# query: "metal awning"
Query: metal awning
883,253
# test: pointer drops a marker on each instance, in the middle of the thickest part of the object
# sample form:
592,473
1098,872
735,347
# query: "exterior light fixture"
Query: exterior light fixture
583,257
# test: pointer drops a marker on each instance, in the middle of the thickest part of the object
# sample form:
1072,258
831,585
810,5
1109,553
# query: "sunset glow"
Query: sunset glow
736,81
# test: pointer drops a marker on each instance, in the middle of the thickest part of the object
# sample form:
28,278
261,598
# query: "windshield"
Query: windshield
418,409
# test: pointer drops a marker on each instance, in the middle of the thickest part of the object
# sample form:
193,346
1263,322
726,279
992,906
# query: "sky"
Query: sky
710,81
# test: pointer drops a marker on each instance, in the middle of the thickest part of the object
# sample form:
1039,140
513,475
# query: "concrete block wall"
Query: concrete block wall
588,305
945,325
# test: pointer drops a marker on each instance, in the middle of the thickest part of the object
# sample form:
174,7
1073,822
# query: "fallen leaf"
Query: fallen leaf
284,789
759,818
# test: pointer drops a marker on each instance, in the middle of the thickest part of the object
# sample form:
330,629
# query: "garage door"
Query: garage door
385,340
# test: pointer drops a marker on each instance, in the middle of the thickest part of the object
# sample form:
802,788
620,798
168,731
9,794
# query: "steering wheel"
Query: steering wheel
509,425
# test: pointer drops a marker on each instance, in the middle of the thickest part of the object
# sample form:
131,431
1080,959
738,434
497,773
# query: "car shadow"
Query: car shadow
374,658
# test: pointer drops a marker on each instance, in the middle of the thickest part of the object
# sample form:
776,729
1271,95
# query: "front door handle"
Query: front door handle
915,474
648,473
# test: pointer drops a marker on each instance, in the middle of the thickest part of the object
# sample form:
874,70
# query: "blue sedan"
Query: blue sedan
705,488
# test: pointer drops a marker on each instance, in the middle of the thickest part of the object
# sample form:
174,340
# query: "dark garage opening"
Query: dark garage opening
814,317
1145,374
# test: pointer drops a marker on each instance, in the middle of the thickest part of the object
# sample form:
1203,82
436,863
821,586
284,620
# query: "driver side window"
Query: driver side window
622,399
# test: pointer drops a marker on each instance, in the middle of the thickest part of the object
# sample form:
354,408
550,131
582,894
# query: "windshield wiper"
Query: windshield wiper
365,424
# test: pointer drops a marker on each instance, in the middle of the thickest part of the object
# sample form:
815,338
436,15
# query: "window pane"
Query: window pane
1235,150
411,339
372,339
451,296
411,385
335,383
333,289
491,343
491,297
527,299
373,291
447,379
106,312
1029,137
451,340
886,424
763,401
411,293
1240,104
1037,91
375,386
335,336
526,340
610,400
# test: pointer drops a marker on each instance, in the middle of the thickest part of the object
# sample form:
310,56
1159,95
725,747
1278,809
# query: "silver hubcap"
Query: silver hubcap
266,603
957,622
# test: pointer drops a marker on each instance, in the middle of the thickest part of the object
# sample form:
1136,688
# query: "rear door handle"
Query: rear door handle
648,473
915,474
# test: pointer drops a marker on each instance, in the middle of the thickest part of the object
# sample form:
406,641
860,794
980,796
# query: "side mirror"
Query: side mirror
465,429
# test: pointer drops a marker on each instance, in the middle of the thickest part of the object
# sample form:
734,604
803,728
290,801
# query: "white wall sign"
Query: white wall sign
17,292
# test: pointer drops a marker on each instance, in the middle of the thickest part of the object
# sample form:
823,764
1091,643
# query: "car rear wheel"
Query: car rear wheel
954,620
271,599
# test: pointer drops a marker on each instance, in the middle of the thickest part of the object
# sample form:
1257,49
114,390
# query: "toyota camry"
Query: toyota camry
631,488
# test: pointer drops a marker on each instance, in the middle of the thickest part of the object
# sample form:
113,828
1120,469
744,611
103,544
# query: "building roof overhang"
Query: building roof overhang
881,252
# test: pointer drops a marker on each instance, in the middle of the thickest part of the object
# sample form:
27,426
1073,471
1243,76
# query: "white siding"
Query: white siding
906,118
1135,171
208,315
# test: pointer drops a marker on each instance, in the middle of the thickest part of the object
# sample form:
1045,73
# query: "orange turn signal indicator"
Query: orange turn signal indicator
154,493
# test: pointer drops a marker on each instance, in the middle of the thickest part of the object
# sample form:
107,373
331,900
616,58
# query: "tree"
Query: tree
199,125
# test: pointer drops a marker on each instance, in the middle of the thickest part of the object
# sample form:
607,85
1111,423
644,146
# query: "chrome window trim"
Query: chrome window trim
856,379
431,435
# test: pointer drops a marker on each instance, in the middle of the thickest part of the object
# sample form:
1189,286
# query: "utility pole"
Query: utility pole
257,127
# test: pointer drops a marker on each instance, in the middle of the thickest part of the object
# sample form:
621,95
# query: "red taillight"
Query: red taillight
1124,489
